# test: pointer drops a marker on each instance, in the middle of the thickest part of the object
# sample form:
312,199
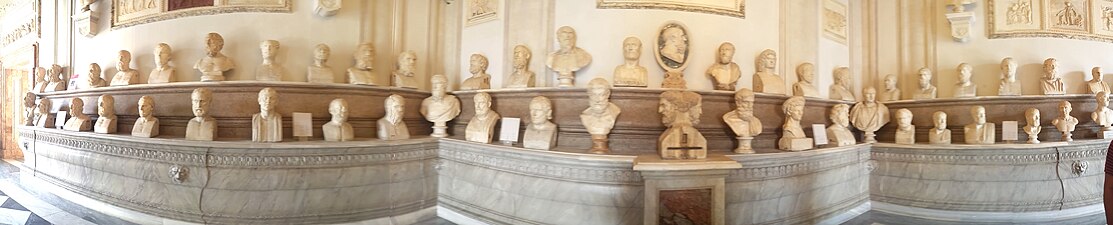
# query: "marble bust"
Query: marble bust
522,77
1097,84
939,135
541,133
479,78
266,126
214,64
568,59
1009,85
725,73
391,126
78,121
440,107
793,137
362,72
94,80
481,127
1103,116
631,73
906,132
106,111
742,121
1033,128
147,124
680,112
840,89
405,76
765,80
125,75
927,90
805,81
29,109
57,80
1065,123
269,70
163,72
891,92
599,117
1052,83
203,126
43,117
338,128
41,80
965,88
869,115
320,72
838,133
979,132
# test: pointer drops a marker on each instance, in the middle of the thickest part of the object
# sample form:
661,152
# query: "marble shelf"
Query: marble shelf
998,109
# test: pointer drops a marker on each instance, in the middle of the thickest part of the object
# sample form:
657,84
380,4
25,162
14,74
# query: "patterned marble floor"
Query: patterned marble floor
11,212
880,218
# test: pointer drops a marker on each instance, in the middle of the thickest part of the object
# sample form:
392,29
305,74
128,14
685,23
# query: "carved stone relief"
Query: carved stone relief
1069,19
735,8
480,11
127,13
835,24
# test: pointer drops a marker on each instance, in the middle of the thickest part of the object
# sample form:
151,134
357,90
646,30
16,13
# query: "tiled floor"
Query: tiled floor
11,212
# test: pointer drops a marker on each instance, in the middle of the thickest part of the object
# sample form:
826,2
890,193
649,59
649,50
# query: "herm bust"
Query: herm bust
569,58
906,132
1033,128
93,80
840,89
405,76
979,132
320,72
939,135
540,132
269,70
838,133
203,126
440,107
521,77
391,126
57,80
869,115
1052,83
125,74
266,126
793,137
1065,122
805,81
43,117
481,127
725,73
630,73
965,88
147,124
600,115
106,111
742,121
680,112
362,72
1097,84
1103,116
765,80
891,92
1009,86
214,64
479,78
927,90
338,128
163,72
78,120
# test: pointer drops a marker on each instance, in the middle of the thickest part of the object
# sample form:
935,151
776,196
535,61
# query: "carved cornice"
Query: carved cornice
285,7
559,168
739,9
768,169
987,156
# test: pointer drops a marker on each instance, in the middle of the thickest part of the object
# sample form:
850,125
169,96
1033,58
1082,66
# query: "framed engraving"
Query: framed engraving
735,8
127,13
835,21
1068,19
481,11
672,46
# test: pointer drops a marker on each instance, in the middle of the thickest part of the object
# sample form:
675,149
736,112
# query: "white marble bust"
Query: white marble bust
78,121
742,121
41,80
338,128
906,132
891,91
869,115
405,75
163,72
568,58
269,70
1052,83
522,77
266,126
980,131
320,72
793,137
1033,128
805,81
765,79
363,72
631,73
29,109
481,127
541,133
1065,123
57,80
391,126
479,78
43,117
838,133
599,117
1009,85
94,80
214,64
1097,84
106,115
440,107
939,135
202,127
125,75
840,89
147,124
1103,116
965,88
724,72
680,112
927,90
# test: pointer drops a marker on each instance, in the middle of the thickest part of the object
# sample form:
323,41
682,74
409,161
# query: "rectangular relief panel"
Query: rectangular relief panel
1068,19
835,21
127,13
735,8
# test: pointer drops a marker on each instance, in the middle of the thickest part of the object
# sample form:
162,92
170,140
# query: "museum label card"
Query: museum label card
1009,130
819,133
303,124
509,130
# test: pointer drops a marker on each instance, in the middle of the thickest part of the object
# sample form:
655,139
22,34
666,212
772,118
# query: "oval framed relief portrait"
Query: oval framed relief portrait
672,46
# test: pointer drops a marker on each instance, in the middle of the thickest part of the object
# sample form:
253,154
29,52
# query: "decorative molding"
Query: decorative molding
126,13
1047,155
795,166
836,24
734,8
481,11
960,25
1090,20
550,168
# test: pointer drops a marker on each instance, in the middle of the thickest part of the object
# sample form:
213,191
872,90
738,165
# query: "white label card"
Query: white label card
303,124
509,129
60,119
819,134
1009,130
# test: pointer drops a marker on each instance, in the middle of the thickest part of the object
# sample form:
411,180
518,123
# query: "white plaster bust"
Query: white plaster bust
1052,83
43,117
838,133
266,126
906,132
965,88
1103,116
338,128
631,73
599,117
481,127
125,75
29,109
479,78
793,137
840,89
41,80
1096,84
927,90
362,72
269,70
214,64
106,111
541,133
440,107
680,112
147,124
979,132
203,126
391,126
742,121
404,76
939,135
1033,128
320,72
805,81
765,80
1009,85
94,80
163,72
522,77
891,92
57,80
724,72
1065,122
869,115
78,121
568,58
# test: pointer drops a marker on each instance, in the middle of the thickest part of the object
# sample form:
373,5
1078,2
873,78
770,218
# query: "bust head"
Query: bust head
76,107
1102,99
540,111
44,106
478,64
726,53
675,46
268,48
793,108
680,108
267,99
1064,109
840,115
365,56
870,94
94,70
599,93
939,118
407,61
213,44
339,110
566,37
925,78
631,48
1096,73
394,105
904,118
744,102
482,104
766,61
162,54
1008,68
890,82
40,74
1051,68
56,73
106,106
842,76
965,71
1032,115
978,113
805,72
146,106
321,53
521,57
29,100
439,85
125,60
201,98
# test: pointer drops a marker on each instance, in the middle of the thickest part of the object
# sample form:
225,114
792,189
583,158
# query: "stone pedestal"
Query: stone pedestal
685,191
745,145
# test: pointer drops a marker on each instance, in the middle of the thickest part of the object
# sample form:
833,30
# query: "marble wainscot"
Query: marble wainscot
998,109
235,101
637,133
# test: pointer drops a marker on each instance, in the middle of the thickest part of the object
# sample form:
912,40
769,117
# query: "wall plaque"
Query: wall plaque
127,13
481,11
835,21
735,8
1069,19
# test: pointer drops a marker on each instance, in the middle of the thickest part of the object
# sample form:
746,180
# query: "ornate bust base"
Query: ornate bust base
745,145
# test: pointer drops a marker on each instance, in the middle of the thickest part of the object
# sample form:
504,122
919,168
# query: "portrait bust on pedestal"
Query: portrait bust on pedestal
600,115
568,58
1033,128
214,64
869,115
742,120
1065,123
671,51
440,107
